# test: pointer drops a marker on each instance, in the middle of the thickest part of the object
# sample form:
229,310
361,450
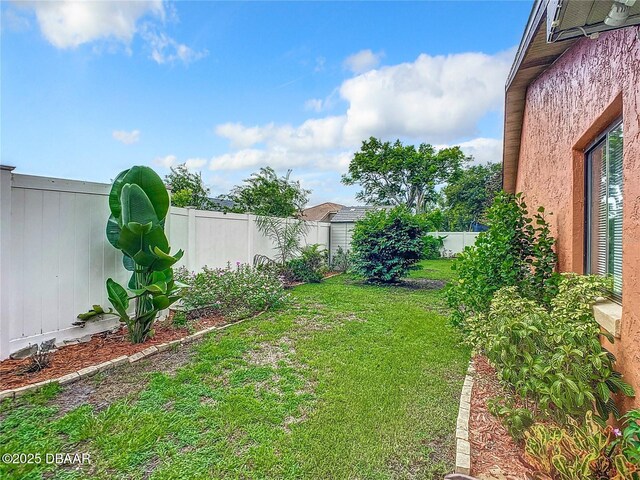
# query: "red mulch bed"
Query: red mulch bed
101,348
494,454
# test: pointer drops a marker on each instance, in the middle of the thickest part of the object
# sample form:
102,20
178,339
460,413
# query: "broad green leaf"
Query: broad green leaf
151,183
136,206
118,298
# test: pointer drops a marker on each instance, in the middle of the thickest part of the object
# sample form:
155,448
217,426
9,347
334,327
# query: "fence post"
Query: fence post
5,255
250,227
191,239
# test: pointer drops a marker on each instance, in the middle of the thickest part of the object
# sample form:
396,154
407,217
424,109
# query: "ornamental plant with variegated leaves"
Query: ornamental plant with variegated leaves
553,356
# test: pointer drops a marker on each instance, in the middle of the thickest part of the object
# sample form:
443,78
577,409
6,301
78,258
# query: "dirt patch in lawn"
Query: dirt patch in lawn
101,348
422,284
126,380
494,454
270,354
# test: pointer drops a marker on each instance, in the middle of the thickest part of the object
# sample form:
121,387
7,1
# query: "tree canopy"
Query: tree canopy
467,199
187,188
397,174
264,193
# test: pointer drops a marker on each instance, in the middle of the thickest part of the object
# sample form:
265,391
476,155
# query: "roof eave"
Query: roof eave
533,57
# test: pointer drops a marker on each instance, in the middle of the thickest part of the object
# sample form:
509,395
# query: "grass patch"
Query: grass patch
349,381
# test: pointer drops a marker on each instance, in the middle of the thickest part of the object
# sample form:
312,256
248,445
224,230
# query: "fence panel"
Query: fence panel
455,242
55,258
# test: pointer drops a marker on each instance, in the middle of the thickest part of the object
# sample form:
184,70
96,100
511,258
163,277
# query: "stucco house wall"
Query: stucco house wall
567,106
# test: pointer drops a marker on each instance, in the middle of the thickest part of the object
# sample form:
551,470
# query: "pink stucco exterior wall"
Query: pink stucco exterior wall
587,88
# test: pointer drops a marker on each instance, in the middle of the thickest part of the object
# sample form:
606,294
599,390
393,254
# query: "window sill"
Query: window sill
608,314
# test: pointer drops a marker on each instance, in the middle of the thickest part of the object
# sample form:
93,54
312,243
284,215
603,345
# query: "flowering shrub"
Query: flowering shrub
235,292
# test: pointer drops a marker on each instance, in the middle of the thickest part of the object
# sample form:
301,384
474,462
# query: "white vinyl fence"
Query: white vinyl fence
55,258
456,242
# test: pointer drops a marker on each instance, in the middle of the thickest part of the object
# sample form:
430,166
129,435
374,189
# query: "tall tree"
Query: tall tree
267,194
397,174
467,199
187,188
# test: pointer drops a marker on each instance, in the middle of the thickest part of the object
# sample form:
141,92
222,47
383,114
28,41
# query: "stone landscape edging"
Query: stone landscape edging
463,447
134,357
109,364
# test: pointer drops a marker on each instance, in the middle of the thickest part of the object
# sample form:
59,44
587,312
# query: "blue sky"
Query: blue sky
90,88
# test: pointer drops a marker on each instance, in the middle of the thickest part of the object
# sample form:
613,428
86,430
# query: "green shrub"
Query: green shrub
341,260
515,419
179,319
233,292
432,247
630,441
586,451
387,244
311,266
552,356
516,250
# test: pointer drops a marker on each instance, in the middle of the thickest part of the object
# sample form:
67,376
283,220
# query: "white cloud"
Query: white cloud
362,61
314,104
71,23
483,150
435,99
166,50
167,161
195,163
281,158
241,136
126,137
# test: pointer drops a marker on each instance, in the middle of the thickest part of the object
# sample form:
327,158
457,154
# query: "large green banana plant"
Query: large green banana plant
139,204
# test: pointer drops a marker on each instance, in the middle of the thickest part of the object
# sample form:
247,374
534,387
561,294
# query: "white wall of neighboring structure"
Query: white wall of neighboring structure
55,258
454,242
341,233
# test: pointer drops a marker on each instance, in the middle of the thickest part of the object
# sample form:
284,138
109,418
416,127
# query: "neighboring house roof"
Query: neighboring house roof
322,212
560,22
353,214
221,202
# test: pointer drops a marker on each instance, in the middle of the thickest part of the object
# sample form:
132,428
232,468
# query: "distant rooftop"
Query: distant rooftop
221,203
353,214
321,213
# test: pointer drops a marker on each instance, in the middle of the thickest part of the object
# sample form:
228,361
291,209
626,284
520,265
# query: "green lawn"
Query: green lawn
348,381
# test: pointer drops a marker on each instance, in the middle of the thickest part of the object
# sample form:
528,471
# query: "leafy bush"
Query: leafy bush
630,441
233,292
579,452
554,357
515,419
311,266
516,250
432,247
179,319
341,261
387,244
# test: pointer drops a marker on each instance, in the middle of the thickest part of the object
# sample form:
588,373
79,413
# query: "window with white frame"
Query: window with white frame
604,201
